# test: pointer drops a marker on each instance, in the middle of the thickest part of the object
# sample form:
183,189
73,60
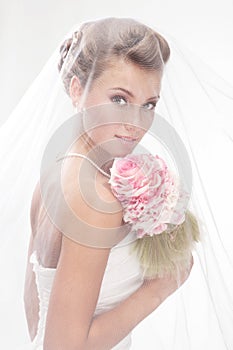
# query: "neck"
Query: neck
101,157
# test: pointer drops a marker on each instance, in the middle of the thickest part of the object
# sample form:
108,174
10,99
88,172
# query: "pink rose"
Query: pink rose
126,167
150,194
127,177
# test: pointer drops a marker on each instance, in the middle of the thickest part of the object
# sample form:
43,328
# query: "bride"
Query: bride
113,71
114,229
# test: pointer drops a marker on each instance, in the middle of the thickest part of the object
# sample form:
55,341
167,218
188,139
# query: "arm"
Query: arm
111,327
78,276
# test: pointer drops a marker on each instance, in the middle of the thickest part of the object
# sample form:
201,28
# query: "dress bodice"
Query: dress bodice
123,276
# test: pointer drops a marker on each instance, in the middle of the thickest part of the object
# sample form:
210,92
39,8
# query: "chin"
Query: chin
122,151
115,148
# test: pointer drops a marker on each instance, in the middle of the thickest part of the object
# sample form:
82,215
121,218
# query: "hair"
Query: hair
86,55
92,48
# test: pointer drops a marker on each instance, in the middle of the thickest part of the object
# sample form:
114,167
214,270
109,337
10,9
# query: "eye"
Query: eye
150,105
120,100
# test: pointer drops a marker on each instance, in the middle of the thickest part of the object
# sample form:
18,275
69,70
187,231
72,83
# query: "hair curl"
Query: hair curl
93,46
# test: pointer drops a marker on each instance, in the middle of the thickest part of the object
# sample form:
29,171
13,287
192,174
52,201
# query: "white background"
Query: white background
31,29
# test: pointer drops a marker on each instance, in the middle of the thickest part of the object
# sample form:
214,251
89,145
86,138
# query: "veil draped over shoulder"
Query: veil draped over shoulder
193,131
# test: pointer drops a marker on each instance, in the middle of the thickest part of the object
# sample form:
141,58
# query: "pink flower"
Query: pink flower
126,167
128,177
150,194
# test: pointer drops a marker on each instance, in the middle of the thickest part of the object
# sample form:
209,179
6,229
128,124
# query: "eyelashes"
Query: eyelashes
151,104
122,101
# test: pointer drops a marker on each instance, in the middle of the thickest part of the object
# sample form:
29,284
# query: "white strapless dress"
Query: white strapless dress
123,276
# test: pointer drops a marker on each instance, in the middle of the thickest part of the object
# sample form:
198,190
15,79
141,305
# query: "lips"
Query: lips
126,138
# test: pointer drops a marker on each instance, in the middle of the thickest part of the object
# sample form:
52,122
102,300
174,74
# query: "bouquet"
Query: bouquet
152,197
154,202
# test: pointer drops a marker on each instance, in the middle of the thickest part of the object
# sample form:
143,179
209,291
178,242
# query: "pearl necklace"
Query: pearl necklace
85,157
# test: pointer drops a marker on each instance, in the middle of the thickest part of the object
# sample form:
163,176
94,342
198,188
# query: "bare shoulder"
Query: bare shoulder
89,195
92,215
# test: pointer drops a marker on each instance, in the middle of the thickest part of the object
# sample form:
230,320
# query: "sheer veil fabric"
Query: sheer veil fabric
193,130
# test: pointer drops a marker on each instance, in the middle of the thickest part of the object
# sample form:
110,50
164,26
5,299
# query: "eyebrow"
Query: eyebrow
131,95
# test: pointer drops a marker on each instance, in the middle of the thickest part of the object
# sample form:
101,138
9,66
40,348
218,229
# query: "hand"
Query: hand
161,287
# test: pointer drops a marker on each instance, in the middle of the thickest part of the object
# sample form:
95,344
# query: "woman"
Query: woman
125,69
85,287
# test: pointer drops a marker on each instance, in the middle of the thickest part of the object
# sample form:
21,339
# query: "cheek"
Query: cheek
142,131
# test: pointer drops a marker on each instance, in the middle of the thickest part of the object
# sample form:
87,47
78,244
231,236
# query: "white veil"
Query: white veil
197,104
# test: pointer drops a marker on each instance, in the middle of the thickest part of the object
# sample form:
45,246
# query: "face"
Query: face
120,106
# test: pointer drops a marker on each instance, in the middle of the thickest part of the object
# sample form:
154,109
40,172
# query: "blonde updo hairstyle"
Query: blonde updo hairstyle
91,48
86,55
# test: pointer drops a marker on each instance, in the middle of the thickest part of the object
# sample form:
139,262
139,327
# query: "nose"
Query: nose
130,127
137,120
132,117
133,130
